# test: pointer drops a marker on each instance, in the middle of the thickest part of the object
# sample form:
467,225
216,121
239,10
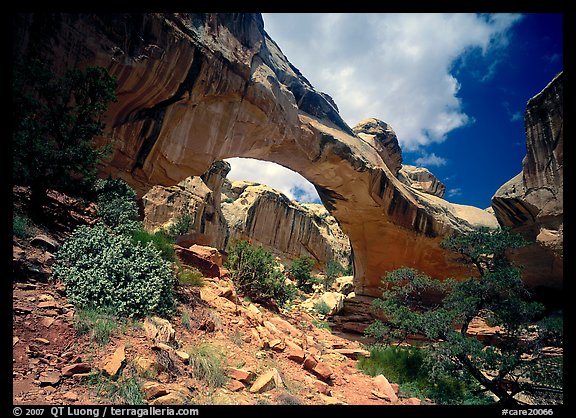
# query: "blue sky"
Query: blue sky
453,86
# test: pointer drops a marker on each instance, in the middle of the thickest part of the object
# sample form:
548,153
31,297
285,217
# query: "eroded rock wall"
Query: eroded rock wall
532,203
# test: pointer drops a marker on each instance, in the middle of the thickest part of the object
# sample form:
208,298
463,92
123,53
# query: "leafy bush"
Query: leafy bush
116,203
20,226
300,270
181,226
322,307
333,270
103,270
256,274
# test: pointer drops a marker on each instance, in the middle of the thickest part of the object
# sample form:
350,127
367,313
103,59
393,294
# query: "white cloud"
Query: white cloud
430,160
274,175
395,67
454,192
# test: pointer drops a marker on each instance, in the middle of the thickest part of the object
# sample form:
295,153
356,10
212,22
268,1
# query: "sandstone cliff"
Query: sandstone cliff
267,217
223,212
196,88
531,203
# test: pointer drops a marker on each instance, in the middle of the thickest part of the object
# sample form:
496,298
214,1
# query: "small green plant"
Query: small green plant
181,226
228,200
126,390
236,338
255,273
322,308
100,324
186,321
158,239
322,325
207,364
20,226
190,276
333,270
300,270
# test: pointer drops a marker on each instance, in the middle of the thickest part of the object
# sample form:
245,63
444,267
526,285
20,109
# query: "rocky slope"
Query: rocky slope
196,88
532,203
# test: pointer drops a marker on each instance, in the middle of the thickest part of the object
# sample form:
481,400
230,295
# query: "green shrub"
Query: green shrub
333,269
322,325
228,200
190,276
20,226
181,226
158,240
322,308
116,203
300,270
103,270
256,274
412,368
207,364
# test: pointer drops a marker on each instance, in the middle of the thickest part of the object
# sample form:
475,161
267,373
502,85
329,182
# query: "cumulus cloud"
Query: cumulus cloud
274,175
399,68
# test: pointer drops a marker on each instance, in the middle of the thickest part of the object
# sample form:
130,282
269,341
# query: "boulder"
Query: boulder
421,179
77,368
114,363
267,381
383,389
159,330
334,300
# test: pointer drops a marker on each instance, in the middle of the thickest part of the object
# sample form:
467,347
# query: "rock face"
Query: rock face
531,203
267,217
248,211
383,139
196,88
422,179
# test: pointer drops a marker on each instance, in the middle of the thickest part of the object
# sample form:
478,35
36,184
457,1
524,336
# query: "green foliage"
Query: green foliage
190,276
54,122
181,226
158,240
322,308
116,203
104,270
21,226
228,200
322,325
414,304
100,324
207,364
256,274
126,390
333,270
186,321
300,270
410,367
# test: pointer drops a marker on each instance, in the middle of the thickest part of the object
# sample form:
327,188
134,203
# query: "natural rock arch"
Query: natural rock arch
198,88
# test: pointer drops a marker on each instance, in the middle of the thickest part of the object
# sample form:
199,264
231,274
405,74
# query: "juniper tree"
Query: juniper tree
512,362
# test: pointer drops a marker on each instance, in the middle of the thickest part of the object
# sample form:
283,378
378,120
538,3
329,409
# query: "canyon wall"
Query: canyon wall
532,203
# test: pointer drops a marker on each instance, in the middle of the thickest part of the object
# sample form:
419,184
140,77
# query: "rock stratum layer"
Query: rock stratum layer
196,88
532,203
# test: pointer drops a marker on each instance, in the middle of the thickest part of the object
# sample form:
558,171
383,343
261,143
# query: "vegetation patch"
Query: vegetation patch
208,364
